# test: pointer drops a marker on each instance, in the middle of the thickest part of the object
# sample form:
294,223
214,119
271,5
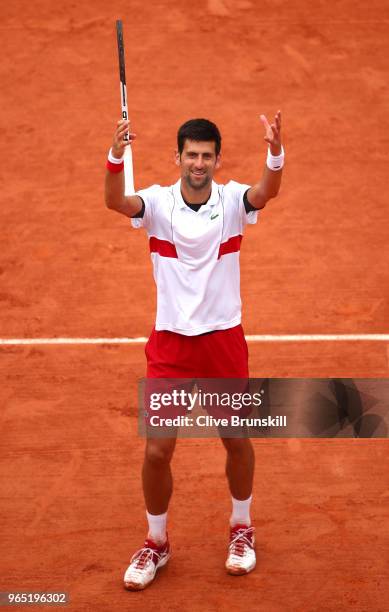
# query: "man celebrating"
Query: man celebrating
195,228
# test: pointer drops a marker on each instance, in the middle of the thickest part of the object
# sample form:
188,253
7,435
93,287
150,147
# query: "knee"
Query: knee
159,452
237,446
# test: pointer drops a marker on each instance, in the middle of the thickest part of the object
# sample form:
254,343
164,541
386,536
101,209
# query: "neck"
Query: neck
195,196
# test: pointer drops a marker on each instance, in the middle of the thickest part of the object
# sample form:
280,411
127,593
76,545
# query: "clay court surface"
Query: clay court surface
72,509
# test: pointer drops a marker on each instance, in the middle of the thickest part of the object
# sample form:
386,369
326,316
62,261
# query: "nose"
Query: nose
199,162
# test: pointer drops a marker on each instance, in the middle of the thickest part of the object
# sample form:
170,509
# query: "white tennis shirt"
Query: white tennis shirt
195,256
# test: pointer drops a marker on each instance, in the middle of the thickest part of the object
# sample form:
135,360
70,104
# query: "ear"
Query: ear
177,158
218,161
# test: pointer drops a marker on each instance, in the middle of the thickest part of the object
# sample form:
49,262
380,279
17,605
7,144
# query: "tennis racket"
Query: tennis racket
128,166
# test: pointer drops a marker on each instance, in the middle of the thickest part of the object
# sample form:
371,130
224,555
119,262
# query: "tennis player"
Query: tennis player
195,229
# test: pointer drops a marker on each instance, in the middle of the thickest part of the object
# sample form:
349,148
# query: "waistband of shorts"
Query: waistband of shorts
208,333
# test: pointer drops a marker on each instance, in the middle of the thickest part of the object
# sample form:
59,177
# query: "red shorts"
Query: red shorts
217,354
213,356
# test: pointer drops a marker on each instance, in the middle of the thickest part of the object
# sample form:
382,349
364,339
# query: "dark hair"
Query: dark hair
199,130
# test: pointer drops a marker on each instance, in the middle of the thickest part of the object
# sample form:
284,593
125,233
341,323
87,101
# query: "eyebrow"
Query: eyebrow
206,154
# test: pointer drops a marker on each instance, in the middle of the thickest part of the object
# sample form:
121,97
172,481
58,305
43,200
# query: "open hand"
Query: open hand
273,133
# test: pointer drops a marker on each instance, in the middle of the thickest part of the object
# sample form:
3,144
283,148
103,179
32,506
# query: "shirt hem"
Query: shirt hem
197,331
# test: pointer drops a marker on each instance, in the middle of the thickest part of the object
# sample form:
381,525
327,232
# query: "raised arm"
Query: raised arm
270,182
114,176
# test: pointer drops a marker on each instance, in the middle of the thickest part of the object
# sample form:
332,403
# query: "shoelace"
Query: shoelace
240,541
143,558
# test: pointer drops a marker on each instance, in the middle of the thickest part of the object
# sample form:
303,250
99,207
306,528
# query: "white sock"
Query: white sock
157,527
241,512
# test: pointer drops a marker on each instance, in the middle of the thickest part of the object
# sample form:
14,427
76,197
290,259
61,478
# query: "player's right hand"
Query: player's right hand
119,144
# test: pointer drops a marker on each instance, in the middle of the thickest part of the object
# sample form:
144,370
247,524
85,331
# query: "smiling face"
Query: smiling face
198,162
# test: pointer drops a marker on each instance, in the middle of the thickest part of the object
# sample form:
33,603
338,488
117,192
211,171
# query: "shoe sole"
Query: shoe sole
239,571
136,586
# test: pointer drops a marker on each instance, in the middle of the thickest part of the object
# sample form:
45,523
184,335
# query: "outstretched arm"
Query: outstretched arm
114,181
270,182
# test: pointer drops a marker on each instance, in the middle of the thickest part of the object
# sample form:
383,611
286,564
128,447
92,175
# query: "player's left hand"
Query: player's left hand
273,133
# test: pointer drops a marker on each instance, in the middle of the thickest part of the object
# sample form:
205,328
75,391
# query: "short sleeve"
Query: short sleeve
237,191
150,196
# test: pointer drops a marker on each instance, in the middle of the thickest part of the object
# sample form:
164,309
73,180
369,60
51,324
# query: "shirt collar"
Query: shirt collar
214,197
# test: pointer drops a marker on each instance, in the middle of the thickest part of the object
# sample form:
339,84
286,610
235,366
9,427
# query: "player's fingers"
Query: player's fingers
264,121
126,138
274,130
120,137
121,132
123,126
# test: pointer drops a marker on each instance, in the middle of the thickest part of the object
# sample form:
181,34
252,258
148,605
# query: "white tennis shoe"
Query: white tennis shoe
241,554
144,565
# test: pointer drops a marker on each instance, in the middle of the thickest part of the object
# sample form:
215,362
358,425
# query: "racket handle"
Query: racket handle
129,188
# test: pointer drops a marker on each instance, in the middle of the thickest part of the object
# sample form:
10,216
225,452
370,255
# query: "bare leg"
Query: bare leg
239,466
156,474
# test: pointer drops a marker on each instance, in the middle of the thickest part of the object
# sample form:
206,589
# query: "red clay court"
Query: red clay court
317,263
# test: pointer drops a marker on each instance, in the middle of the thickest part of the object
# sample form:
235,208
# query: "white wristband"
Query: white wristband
275,162
114,160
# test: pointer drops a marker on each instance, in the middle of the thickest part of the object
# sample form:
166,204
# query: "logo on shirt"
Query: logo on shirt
214,216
